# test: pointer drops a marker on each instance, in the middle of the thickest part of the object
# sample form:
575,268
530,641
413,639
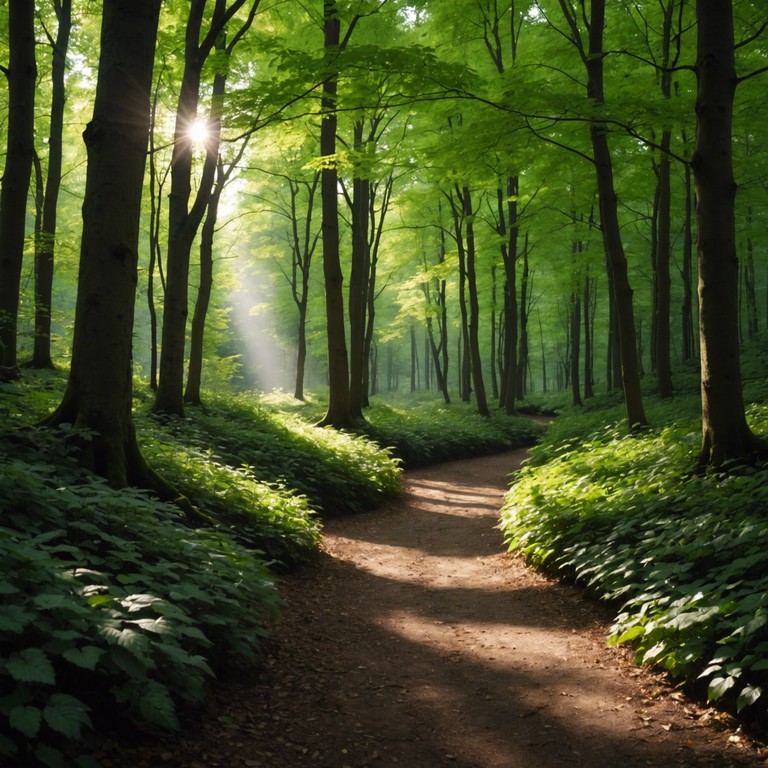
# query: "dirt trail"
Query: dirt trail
417,642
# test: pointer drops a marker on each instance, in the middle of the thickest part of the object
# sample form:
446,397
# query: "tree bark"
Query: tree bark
45,239
20,150
98,396
726,437
609,220
339,412
474,309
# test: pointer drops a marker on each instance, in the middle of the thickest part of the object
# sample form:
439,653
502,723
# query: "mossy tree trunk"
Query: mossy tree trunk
98,395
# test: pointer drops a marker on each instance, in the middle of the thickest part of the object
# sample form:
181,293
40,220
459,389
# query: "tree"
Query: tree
98,396
592,56
45,235
22,74
726,437
183,219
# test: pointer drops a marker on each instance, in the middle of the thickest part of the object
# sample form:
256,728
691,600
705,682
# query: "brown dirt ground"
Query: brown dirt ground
415,641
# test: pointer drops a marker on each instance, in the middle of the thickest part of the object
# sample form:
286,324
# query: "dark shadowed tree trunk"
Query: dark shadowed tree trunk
98,396
726,437
20,150
609,220
339,412
184,220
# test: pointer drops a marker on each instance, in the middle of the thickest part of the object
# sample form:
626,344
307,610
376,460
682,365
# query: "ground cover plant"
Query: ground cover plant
682,556
113,602
431,433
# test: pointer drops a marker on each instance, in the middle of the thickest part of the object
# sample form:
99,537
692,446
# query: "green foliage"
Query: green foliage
332,472
684,556
109,603
431,433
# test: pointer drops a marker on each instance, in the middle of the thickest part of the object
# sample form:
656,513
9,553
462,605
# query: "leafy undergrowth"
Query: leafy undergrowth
112,603
684,557
111,607
432,433
336,472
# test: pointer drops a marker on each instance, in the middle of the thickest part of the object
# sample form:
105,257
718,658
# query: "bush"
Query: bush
109,603
683,557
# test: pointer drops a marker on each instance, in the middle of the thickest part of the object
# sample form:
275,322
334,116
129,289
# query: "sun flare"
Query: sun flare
198,131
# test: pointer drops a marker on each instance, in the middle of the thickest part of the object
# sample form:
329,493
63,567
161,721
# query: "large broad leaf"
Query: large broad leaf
86,657
25,719
157,706
31,665
749,695
66,714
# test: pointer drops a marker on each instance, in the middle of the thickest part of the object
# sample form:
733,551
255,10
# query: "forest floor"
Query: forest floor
416,641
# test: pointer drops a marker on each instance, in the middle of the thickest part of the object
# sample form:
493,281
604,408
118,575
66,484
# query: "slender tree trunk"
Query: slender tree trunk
98,396
575,340
45,240
726,437
358,280
192,393
687,325
339,413
522,354
476,359
508,226
609,220
589,331
20,150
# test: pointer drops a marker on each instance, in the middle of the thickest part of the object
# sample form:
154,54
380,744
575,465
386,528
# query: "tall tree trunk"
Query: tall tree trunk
687,325
522,354
589,332
493,315
476,359
726,437
20,150
575,341
98,396
508,229
184,220
358,279
609,220
339,413
45,240
192,392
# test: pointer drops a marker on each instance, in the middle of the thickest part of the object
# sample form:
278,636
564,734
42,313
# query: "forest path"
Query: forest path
417,642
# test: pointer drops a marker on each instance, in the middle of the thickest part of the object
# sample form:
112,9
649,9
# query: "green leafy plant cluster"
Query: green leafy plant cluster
684,557
432,433
111,608
336,472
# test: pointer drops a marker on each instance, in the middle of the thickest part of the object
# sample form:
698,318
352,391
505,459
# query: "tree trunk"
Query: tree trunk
609,220
688,334
339,413
522,354
358,279
98,396
192,393
45,240
474,309
20,150
508,229
589,332
575,340
726,437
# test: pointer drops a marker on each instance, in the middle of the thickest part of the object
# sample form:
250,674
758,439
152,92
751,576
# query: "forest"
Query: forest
257,258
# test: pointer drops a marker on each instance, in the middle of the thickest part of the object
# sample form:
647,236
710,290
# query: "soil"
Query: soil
416,641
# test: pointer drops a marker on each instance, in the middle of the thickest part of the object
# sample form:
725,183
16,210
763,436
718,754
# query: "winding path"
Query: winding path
416,642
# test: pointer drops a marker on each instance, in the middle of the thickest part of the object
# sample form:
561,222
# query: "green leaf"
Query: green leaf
65,714
749,695
86,657
26,720
51,757
31,665
718,686
157,707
